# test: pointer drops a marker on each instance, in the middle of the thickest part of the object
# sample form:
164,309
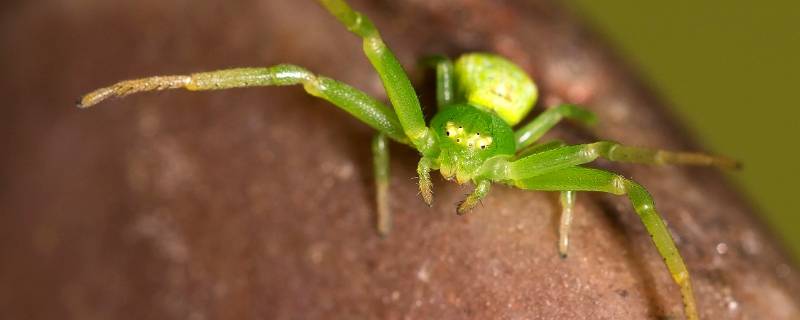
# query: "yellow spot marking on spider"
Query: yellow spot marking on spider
471,140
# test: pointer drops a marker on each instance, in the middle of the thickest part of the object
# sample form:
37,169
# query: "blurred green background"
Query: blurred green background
732,71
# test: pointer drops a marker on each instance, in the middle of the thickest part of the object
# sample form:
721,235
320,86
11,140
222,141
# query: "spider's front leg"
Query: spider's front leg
542,159
556,170
395,80
347,98
568,156
586,179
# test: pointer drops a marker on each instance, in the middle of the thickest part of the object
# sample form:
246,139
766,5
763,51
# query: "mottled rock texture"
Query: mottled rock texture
257,204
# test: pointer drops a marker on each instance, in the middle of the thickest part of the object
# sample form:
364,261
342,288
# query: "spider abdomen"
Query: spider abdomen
496,84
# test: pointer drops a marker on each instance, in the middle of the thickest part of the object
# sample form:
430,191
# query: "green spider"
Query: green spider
480,97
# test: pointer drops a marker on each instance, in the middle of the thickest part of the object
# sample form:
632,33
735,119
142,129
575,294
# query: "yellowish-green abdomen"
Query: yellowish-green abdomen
494,83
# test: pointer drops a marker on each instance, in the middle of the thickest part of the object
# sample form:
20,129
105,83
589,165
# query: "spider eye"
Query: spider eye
458,140
447,133
483,147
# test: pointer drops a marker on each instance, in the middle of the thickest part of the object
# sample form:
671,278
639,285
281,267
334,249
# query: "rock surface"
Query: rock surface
257,204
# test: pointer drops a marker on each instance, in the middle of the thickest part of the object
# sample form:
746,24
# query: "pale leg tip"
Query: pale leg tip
427,195
81,104
462,209
383,231
428,200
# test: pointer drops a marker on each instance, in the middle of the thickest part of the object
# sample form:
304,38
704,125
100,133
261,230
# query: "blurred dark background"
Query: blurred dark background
731,69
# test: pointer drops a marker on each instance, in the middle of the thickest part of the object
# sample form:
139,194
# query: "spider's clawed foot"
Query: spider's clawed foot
481,189
466,205
426,191
562,248
127,87
425,184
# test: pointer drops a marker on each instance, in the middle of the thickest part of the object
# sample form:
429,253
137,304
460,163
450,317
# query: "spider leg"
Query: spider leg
380,159
586,179
395,80
568,156
481,189
532,131
445,81
355,102
425,185
538,148
567,203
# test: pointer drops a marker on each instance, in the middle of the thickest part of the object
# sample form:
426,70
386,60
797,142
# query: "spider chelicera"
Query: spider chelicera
480,97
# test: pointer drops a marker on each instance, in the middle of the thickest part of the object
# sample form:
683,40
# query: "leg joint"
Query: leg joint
619,185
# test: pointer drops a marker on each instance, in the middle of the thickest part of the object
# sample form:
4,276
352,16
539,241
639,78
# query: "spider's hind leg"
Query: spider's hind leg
536,128
445,79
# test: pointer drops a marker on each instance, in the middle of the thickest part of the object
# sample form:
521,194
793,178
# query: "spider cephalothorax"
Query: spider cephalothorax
475,124
467,137
479,97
